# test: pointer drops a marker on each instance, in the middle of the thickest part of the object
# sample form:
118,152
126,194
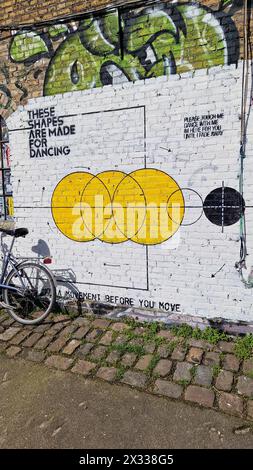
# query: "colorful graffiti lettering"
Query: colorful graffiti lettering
156,41
137,44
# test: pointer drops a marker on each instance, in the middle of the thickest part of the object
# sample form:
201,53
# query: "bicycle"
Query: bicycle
27,291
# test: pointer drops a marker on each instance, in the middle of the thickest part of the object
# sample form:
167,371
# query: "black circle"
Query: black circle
224,206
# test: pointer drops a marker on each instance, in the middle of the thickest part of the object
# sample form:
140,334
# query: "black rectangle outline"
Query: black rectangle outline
145,166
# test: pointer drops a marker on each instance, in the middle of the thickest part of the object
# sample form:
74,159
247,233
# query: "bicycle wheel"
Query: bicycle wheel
36,293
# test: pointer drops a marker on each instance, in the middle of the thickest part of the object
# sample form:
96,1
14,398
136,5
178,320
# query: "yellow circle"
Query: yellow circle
129,207
158,187
67,210
94,199
112,232
116,207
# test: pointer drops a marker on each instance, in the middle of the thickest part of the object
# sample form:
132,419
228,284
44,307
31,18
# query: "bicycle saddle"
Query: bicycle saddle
18,232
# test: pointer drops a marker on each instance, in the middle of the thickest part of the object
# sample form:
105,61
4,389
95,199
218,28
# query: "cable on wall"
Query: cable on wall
243,140
76,16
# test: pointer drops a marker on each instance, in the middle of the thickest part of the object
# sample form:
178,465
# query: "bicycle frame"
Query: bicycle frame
26,287
8,259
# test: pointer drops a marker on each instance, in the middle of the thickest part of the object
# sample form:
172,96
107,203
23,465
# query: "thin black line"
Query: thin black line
213,207
102,111
120,35
222,206
112,265
132,207
145,137
68,115
107,285
21,129
213,275
2,172
147,264
72,17
81,114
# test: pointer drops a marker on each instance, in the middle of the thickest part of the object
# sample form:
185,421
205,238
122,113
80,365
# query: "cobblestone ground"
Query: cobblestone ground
195,371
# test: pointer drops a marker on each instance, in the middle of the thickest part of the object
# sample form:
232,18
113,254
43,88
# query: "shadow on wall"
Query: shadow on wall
69,298
68,295
41,249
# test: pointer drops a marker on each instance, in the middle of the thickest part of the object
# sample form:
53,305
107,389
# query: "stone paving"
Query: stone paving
195,371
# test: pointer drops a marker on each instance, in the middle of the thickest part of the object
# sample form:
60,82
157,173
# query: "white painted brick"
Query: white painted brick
115,141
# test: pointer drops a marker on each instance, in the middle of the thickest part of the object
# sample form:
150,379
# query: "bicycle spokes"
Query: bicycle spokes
34,292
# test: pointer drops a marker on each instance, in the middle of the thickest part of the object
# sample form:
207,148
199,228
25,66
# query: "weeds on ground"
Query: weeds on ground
120,372
171,346
154,361
216,370
130,348
184,382
244,347
209,334
132,322
193,371
153,328
150,335
222,356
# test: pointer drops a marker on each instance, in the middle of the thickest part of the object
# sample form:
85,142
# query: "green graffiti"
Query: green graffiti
156,41
27,46
140,44
192,35
73,68
58,30
92,35
206,46
84,69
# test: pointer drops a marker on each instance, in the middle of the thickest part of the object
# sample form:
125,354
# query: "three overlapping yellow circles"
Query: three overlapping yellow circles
145,206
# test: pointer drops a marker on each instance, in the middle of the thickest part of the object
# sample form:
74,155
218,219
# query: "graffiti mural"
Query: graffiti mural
9,89
135,44
156,41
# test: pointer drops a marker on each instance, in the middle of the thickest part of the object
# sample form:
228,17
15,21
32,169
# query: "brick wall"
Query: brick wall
212,37
138,115
23,11
20,11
